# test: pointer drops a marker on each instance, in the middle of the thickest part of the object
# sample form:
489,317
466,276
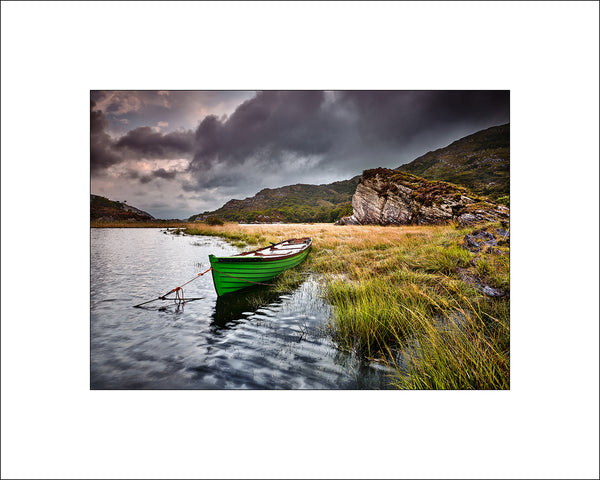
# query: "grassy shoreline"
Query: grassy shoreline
410,296
138,224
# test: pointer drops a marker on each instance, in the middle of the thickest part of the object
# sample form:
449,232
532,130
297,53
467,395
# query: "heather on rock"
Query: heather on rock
392,197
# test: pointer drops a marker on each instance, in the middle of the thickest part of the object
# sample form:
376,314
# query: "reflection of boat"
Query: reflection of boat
258,266
231,308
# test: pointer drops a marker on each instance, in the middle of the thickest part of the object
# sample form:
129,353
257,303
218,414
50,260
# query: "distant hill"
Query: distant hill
292,203
480,162
103,209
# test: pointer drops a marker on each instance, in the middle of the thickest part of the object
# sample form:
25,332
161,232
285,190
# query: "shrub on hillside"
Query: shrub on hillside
505,200
213,221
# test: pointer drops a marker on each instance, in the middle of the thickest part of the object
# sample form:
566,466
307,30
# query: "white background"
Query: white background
546,426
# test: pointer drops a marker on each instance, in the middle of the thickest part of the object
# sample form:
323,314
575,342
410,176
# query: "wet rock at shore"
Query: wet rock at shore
479,284
492,292
476,241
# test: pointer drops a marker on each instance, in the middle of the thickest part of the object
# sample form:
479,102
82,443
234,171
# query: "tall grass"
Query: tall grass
402,295
463,352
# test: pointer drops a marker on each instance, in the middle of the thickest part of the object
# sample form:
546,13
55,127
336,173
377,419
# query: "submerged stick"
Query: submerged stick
162,298
149,301
176,289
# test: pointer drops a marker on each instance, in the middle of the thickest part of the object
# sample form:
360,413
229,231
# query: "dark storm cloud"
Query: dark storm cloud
98,122
345,131
148,177
283,126
291,121
162,173
396,117
142,142
262,129
145,142
175,109
102,154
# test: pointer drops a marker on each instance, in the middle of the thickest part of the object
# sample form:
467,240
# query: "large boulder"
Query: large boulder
391,197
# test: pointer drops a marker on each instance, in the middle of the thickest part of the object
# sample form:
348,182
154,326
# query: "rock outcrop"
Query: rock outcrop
391,197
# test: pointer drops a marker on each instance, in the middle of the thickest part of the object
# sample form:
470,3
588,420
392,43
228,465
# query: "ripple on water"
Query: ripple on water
256,339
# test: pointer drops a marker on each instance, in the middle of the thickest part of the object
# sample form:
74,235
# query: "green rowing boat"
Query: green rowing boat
253,268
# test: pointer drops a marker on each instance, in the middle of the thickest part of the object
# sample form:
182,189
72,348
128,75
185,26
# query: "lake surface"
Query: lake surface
256,339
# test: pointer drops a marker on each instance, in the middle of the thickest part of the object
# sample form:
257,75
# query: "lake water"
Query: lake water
256,339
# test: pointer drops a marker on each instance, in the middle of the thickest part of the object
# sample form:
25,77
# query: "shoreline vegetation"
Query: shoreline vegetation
414,297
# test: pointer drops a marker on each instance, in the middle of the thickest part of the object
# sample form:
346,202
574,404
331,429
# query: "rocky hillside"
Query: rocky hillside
292,203
480,162
392,197
103,209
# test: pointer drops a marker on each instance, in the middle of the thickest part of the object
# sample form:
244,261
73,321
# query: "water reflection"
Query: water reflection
258,338
231,308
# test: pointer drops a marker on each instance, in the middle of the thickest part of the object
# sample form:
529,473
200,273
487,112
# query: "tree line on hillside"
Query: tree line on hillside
291,214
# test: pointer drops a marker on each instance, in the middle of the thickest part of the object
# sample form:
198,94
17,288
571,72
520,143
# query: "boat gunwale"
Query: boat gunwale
242,258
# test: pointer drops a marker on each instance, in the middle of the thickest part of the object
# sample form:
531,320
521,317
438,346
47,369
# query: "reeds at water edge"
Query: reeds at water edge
408,296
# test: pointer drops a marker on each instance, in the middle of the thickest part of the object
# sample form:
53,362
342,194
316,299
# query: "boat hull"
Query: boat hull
231,274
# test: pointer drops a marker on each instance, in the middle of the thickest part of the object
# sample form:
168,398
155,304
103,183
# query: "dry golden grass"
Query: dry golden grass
399,291
323,234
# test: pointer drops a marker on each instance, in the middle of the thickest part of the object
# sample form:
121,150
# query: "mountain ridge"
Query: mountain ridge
479,161
299,202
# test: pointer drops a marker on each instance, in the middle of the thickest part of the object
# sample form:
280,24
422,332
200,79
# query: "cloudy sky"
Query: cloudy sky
178,153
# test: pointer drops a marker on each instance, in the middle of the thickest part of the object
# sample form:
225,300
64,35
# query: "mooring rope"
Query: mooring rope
199,275
179,298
